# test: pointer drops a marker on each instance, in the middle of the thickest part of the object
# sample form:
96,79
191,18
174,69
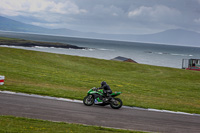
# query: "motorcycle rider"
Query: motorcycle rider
106,90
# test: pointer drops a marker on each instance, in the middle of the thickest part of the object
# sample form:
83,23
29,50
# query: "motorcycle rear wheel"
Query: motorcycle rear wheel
88,100
116,104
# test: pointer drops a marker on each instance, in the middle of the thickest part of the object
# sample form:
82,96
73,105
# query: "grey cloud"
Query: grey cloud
114,16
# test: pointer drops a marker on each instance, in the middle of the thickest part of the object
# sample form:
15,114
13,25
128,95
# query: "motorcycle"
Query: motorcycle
96,96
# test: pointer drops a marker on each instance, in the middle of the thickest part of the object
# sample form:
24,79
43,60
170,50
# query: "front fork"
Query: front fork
90,96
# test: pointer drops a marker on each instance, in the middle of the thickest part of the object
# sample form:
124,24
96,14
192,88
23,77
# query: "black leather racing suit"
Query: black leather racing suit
106,90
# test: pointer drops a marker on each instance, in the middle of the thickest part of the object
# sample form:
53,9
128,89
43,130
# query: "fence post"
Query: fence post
2,78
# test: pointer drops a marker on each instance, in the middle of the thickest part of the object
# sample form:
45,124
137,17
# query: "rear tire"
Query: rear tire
88,100
116,104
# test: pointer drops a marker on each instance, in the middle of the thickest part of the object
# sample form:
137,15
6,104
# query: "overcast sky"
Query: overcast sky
106,16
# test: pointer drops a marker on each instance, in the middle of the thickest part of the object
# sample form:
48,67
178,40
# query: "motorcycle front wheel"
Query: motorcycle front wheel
116,103
88,100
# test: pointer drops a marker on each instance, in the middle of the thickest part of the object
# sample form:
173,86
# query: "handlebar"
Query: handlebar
95,89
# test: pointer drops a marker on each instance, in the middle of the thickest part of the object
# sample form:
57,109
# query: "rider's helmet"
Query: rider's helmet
103,83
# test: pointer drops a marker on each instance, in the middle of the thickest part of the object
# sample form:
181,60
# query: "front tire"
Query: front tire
88,100
116,104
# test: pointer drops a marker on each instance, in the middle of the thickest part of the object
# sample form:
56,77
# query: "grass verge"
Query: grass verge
10,124
72,76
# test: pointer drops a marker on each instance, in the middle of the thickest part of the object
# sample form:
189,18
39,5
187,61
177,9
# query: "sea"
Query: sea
143,53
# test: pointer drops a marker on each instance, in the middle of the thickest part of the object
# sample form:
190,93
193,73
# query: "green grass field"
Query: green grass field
72,76
10,124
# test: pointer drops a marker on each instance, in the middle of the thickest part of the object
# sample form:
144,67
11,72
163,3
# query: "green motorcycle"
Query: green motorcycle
96,96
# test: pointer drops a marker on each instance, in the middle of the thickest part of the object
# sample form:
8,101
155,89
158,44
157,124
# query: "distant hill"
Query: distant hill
12,25
174,36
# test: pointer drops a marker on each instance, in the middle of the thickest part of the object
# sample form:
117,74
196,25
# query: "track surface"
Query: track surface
54,110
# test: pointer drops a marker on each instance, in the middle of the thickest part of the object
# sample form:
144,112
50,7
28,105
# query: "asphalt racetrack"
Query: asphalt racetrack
125,118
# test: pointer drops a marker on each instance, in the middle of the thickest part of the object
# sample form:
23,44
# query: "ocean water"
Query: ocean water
144,53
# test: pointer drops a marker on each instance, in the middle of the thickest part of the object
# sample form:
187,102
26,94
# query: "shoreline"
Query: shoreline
128,41
29,43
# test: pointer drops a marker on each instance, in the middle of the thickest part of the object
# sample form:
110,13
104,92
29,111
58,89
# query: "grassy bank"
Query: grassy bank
9,124
71,77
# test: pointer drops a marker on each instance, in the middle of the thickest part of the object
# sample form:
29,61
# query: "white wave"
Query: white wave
180,54
103,49
173,54
7,46
39,47
159,53
90,49
177,54
3,45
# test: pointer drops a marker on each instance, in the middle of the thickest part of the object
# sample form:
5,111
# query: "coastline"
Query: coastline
157,55
29,43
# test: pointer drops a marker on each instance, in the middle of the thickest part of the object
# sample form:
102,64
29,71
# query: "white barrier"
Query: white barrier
2,78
